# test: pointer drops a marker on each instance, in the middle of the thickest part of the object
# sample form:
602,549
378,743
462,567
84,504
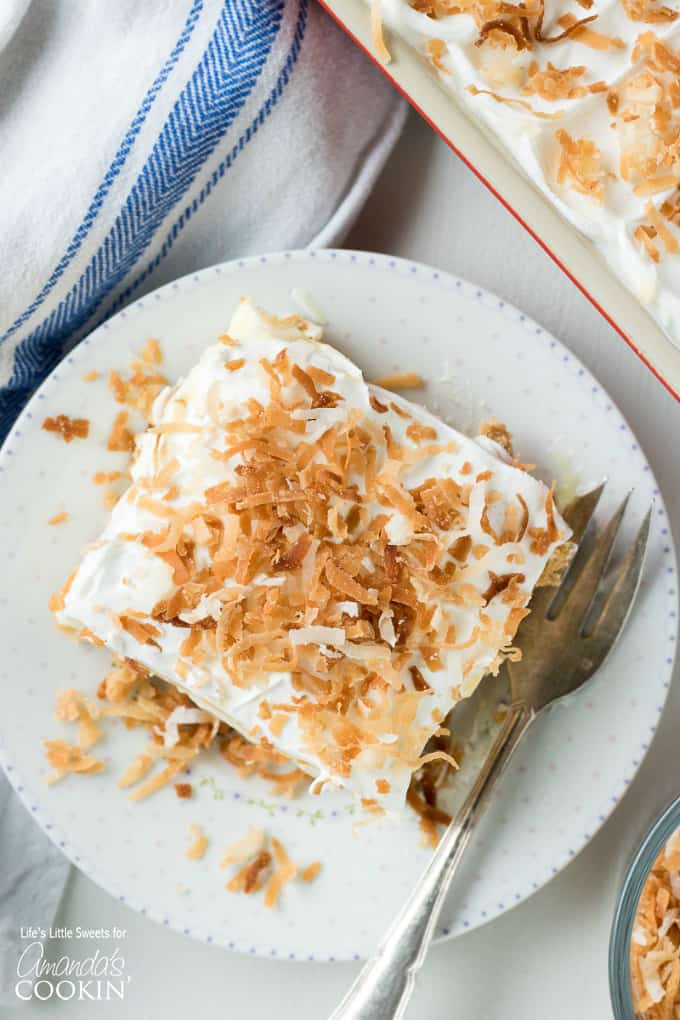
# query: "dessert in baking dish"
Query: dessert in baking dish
585,95
316,561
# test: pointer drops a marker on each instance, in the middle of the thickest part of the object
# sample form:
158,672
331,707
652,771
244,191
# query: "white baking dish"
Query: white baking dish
573,253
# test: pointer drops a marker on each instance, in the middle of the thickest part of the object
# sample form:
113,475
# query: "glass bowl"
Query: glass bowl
622,927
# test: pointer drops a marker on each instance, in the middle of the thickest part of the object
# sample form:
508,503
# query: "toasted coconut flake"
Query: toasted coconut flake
199,844
645,235
136,770
284,871
144,382
502,32
309,873
151,352
579,31
346,585
234,364
436,51
176,428
377,33
67,428
66,758
648,119
400,381
311,635
420,433
104,477
655,943
499,433
242,849
158,781
120,437
552,84
649,11
183,715
248,879
655,185
658,223
111,497
510,101
438,756
141,631
277,724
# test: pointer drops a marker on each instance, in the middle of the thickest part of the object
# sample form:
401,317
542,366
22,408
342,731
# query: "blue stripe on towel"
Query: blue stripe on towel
115,168
205,109
219,173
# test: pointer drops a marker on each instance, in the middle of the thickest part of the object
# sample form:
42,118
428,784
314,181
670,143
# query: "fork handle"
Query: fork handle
385,984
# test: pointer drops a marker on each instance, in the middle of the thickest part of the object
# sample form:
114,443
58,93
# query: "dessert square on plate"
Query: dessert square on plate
316,561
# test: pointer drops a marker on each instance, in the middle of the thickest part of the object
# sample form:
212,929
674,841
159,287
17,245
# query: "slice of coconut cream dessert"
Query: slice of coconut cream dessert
318,562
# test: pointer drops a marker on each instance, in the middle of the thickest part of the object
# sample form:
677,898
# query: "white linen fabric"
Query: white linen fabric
140,142
143,141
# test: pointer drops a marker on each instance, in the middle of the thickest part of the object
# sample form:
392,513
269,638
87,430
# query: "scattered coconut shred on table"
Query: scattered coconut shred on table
67,428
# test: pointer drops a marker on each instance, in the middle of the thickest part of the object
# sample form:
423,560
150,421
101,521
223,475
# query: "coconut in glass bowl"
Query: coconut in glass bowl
644,950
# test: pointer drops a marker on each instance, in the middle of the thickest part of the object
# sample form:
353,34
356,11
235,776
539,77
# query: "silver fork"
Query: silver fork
564,640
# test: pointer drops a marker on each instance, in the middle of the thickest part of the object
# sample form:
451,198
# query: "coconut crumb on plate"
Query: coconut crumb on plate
262,863
67,428
400,381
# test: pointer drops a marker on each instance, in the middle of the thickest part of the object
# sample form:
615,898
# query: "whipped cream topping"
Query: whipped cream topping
621,98
486,556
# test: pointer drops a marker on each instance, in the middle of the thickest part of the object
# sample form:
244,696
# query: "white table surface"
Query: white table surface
547,957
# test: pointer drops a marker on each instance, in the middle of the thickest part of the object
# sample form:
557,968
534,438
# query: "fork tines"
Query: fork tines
592,600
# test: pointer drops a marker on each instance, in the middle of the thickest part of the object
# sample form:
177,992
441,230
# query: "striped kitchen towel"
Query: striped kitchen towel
141,141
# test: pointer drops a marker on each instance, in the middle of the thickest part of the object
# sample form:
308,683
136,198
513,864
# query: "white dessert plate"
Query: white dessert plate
480,357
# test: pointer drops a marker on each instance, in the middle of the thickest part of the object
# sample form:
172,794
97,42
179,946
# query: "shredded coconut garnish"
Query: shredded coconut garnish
511,101
400,381
552,84
377,31
580,165
649,11
655,942
262,863
199,844
436,50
